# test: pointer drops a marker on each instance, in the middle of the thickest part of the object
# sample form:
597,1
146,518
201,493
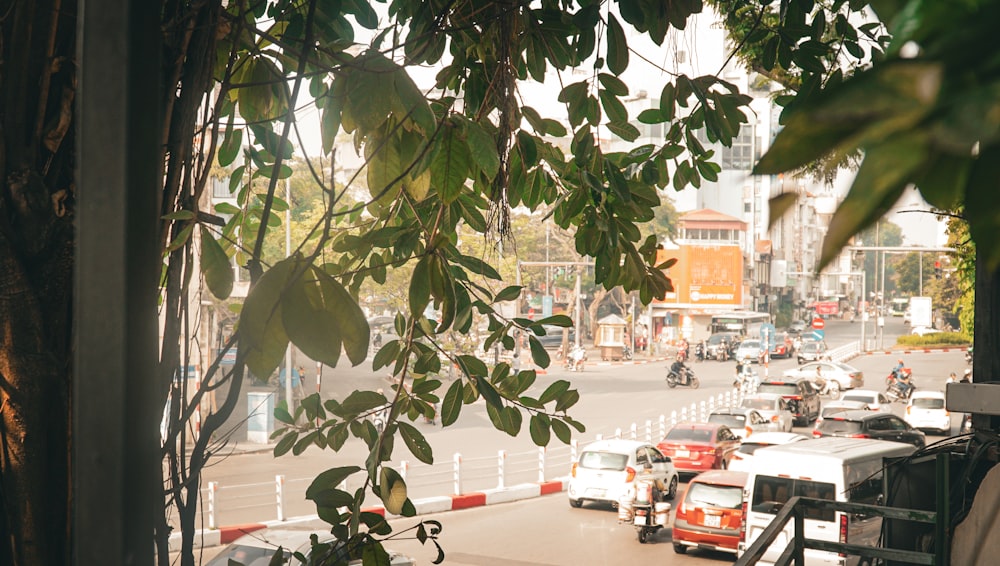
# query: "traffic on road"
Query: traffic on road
618,400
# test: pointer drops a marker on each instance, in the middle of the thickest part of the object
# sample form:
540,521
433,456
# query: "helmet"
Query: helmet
907,372
968,371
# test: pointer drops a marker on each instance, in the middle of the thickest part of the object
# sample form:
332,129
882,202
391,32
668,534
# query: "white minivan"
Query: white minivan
838,469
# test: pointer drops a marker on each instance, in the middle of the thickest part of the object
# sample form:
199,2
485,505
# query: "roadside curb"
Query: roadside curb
917,351
224,535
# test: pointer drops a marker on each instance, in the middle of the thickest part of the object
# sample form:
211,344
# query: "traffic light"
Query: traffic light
937,269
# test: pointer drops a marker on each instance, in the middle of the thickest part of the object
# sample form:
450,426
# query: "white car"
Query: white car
923,330
607,469
748,351
742,459
840,375
772,407
876,400
743,422
258,548
926,411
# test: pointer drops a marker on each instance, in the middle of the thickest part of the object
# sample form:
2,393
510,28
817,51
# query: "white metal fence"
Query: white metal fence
285,497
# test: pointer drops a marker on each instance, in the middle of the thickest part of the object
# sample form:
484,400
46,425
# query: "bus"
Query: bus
746,323
898,306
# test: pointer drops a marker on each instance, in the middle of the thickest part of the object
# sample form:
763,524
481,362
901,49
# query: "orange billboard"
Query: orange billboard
705,274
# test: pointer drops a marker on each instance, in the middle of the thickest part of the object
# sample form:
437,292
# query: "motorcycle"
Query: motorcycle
626,353
642,508
895,391
680,374
575,360
968,356
699,352
747,381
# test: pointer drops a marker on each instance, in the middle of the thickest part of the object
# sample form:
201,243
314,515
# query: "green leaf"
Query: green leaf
359,402
559,320
483,149
182,238
420,287
562,431
262,335
567,400
554,390
778,206
410,101
613,84
539,428
538,354
452,404
310,321
215,265
617,59
880,182
329,480
180,215
392,490
508,294
416,442
285,444
354,329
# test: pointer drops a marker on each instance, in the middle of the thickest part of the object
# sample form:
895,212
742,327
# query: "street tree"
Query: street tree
463,151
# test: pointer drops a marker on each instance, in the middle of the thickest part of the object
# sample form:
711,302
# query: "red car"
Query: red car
710,512
696,447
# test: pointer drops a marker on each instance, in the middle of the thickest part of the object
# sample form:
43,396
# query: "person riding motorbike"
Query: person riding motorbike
680,370
897,370
699,351
903,383
576,357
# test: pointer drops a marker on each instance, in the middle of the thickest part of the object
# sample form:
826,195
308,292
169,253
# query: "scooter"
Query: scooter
574,361
895,392
680,374
642,508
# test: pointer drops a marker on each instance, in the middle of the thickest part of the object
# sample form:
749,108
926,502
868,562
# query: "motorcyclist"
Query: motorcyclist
898,369
577,355
699,351
903,383
819,380
679,369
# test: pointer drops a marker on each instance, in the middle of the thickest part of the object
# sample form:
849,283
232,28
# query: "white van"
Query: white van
838,469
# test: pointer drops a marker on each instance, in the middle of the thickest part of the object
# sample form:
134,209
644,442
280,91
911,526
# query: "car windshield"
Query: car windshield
811,347
827,411
751,447
860,398
603,461
928,403
719,496
244,554
729,420
770,493
691,434
759,404
839,426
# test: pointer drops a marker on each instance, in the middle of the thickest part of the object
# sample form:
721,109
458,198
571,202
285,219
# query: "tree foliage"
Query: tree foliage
440,159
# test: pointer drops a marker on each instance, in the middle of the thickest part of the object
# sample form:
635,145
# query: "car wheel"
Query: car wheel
800,361
680,548
672,489
834,390
576,503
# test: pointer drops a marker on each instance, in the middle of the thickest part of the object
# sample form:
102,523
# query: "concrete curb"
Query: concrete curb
225,535
917,351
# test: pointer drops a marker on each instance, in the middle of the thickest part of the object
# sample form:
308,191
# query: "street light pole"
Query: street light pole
288,252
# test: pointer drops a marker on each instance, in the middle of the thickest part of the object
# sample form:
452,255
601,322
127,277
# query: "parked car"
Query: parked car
870,424
810,351
749,351
607,469
743,457
926,411
743,422
841,376
710,512
802,397
772,407
259,547
875,400
696,447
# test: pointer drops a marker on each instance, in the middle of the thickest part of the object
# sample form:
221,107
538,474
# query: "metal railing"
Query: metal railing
284,497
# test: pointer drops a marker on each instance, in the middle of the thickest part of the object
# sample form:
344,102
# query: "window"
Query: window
770,493
603,461
718,496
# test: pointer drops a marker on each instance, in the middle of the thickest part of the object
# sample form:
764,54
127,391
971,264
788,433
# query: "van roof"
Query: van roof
836,449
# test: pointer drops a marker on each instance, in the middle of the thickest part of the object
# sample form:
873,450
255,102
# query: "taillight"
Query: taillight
629,474
817,433
572,472
749,431
774,418
860,435
743,521
908,407
843,530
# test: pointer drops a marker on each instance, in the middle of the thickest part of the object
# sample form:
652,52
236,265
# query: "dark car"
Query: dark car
802,396
811,352
870,424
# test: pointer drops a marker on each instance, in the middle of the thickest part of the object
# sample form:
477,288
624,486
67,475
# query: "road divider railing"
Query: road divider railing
462,474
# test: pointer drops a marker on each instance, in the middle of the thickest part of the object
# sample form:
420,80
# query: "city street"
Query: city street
613,396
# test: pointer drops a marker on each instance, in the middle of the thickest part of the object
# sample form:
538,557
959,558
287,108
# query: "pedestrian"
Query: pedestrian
967,376
952,378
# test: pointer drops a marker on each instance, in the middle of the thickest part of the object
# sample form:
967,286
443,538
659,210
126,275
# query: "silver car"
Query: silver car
840,376
607,469
743,422
772,407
